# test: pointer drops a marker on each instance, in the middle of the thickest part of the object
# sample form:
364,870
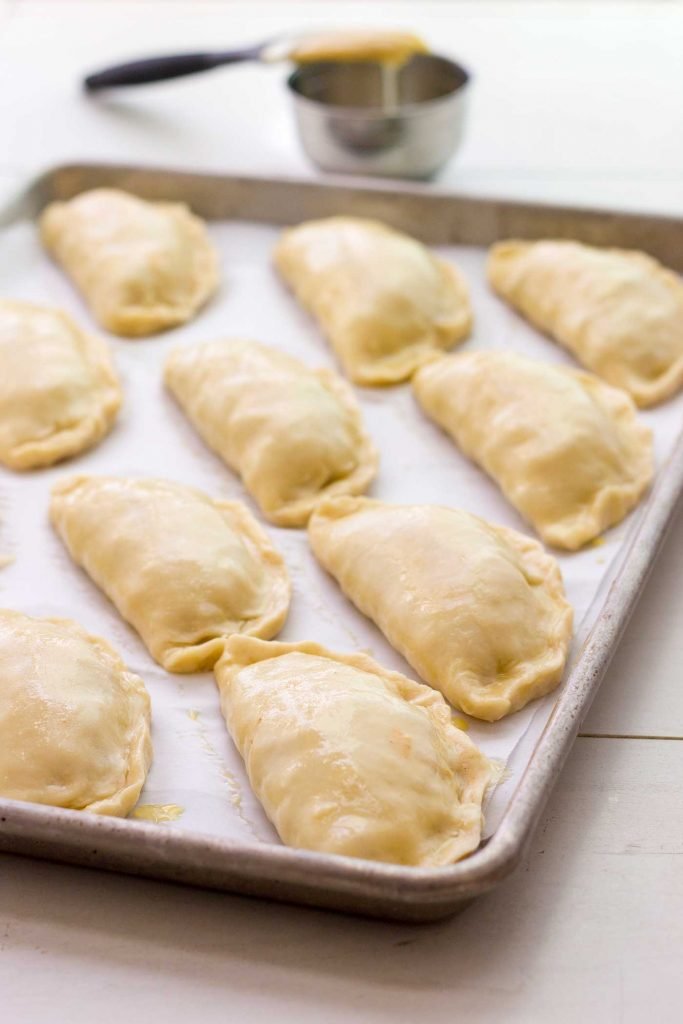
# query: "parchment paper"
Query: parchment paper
195,764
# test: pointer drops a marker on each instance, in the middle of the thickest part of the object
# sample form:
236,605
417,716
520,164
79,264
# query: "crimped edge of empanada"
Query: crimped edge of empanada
241,652
72,438
135,320
120,802
297,513
610,504
530,679
400,365
644,392
201,654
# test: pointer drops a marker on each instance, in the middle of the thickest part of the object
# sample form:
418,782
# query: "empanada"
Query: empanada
619,312
74,722
142,267
386,304
59,393
184,570
349,758
478,610
293,434
567,450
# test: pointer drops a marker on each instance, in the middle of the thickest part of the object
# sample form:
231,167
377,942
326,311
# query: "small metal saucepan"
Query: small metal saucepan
362,118
359,116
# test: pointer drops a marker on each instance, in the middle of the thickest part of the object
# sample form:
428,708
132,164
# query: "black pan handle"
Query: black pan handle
157,69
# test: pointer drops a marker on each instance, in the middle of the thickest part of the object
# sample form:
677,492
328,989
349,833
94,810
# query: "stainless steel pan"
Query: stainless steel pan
330,881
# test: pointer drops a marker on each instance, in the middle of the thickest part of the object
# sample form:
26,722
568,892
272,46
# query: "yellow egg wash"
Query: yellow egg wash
390,48
157,813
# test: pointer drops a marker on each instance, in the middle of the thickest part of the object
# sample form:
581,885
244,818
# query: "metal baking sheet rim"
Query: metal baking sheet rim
340,883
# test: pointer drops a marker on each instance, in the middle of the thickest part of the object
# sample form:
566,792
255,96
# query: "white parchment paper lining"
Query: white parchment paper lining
195,764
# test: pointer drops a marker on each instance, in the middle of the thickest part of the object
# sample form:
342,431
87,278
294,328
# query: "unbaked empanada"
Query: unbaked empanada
567,450
293,434
74,722
349,758
142,267
184,570
59,393
478,610
384,301
619,312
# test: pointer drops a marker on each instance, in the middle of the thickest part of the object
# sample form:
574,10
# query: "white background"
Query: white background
573,101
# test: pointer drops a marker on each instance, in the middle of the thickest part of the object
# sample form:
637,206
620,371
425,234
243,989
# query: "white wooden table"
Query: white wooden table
573,101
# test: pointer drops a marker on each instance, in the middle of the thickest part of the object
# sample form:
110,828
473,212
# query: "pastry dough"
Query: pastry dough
619,312
142,267
478,610
59,393
349,758
385,302
74,723
567,450
184,570
292,433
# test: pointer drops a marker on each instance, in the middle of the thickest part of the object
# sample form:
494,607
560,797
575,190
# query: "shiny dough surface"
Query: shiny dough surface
619,312
566,449
142,267
478,610
74,722
186,571
349,758
59,392
293,434
386,304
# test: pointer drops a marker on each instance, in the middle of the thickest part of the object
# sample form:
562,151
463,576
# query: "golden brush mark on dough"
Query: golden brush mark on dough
460,723
157,813
224,773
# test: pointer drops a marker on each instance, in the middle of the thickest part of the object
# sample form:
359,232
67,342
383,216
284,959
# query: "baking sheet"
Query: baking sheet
195,765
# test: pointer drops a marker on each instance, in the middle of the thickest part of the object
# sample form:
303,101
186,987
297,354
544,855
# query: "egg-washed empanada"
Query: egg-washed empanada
386,304
74,722
186,571
59,393
142,267
619,312
349,758
293,434
567,450
478,610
